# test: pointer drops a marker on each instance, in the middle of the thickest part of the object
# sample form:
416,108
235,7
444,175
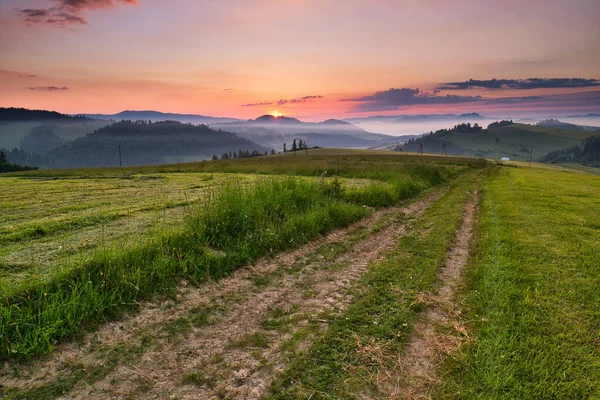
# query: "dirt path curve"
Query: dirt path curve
418,367
217,350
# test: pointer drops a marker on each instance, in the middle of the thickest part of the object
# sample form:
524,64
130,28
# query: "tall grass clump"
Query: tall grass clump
239,223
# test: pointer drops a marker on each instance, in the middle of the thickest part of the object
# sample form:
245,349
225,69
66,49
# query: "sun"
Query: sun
276,114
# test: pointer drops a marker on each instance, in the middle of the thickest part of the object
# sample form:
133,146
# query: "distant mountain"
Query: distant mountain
155,116
418,118
144,143
272,132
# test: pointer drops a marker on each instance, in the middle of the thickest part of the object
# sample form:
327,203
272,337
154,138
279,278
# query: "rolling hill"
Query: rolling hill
145,143
17,123
510,140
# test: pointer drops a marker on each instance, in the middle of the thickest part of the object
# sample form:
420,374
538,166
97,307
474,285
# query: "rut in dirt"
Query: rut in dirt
418,368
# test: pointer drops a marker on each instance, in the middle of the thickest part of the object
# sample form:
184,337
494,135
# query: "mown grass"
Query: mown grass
533,291
369,336
334,162
52,224
235,225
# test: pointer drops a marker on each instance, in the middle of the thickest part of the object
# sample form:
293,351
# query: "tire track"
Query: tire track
417,371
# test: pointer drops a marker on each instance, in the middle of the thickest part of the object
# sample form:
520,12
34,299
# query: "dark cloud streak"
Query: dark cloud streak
521,84
305,99
394,99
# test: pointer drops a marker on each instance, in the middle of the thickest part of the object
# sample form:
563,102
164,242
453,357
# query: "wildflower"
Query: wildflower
101,273
45,294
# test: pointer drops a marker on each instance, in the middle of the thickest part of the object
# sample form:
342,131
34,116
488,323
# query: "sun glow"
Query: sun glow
276,114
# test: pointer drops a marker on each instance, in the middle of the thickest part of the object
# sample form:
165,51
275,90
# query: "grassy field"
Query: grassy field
64,221
532,291
369,311
80,246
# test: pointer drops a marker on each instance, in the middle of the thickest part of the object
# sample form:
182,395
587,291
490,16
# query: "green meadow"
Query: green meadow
533,290
82,248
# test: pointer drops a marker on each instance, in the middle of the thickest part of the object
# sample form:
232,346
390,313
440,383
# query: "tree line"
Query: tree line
241,154
5,166
300,145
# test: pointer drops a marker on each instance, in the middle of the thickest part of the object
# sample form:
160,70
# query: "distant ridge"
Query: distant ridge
155,116
419,118
24,114
590,115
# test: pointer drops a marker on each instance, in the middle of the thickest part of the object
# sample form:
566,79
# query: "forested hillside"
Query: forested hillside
143,142
500,139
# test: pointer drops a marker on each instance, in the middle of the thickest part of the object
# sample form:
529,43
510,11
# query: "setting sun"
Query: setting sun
276,114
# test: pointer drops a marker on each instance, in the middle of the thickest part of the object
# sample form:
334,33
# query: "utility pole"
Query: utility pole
120,163
530,156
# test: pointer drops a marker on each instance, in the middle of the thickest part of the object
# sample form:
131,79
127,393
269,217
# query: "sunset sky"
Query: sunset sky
312,59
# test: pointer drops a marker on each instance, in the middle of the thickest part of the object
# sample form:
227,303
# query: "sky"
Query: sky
311,59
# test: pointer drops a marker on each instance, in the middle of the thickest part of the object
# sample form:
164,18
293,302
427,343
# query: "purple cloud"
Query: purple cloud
393,99
521,84
66,13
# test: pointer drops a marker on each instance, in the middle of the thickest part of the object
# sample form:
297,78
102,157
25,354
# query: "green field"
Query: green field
106,237
533,290
293,277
